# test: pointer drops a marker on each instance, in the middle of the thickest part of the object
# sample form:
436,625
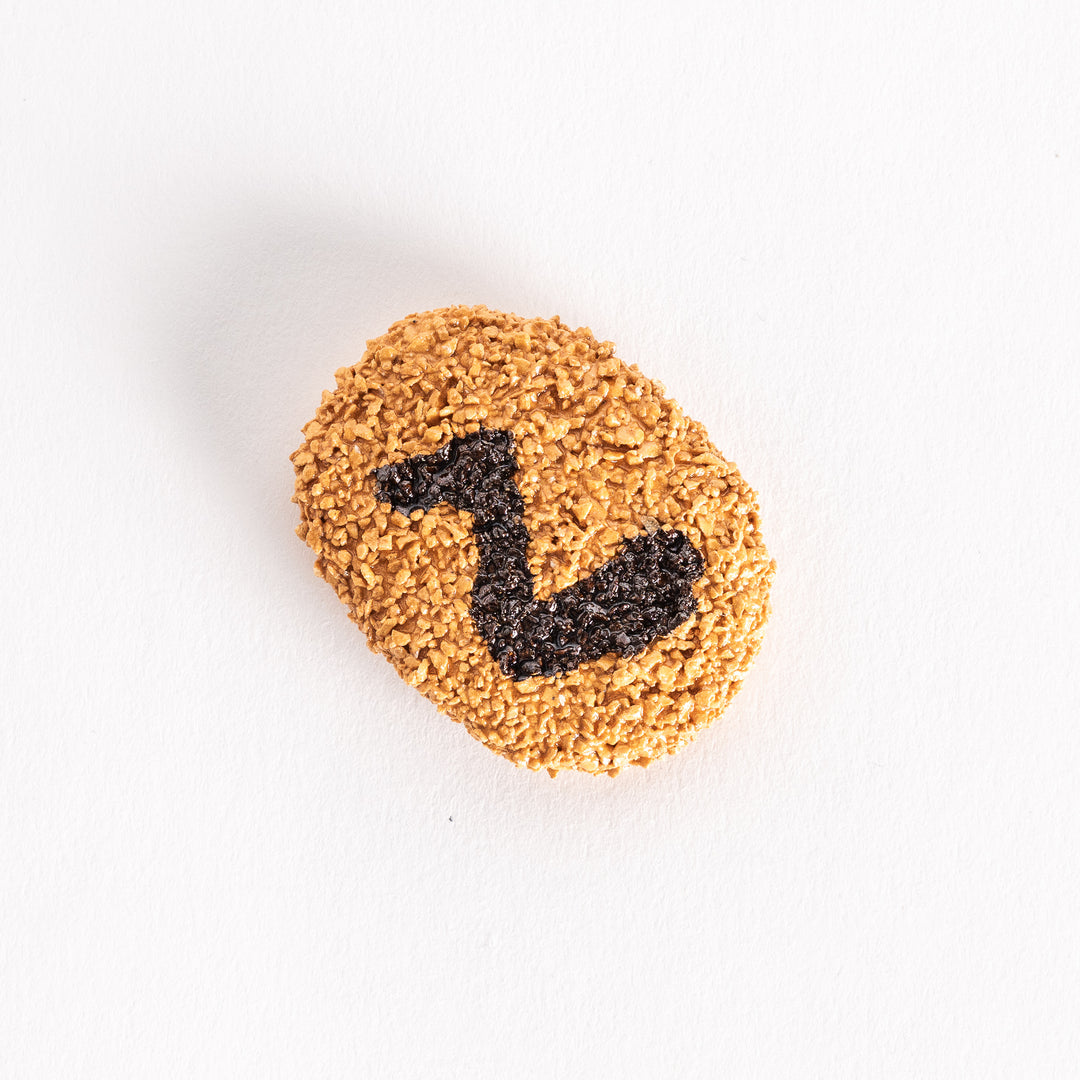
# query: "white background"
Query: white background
846,236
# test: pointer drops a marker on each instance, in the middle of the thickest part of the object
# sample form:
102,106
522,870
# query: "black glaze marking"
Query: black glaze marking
640,595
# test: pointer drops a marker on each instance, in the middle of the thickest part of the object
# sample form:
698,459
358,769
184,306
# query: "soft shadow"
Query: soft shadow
252,317
247,316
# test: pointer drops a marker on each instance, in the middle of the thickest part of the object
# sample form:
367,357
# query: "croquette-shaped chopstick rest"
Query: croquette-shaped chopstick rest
535,537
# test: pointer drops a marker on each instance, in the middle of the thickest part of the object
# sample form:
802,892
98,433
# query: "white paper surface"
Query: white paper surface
847,239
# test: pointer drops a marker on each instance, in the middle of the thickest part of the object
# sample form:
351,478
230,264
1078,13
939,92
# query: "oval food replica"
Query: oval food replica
535,537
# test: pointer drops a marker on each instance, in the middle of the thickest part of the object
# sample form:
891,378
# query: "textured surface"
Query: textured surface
586,472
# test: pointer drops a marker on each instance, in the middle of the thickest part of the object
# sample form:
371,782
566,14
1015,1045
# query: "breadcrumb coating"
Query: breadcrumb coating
603,456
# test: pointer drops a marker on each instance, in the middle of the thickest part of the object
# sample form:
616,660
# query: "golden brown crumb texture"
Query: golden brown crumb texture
602,455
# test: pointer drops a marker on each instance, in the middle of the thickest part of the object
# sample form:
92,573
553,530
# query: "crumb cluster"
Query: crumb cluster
602,457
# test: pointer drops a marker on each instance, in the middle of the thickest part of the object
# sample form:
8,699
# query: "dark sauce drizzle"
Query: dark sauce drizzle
641,594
